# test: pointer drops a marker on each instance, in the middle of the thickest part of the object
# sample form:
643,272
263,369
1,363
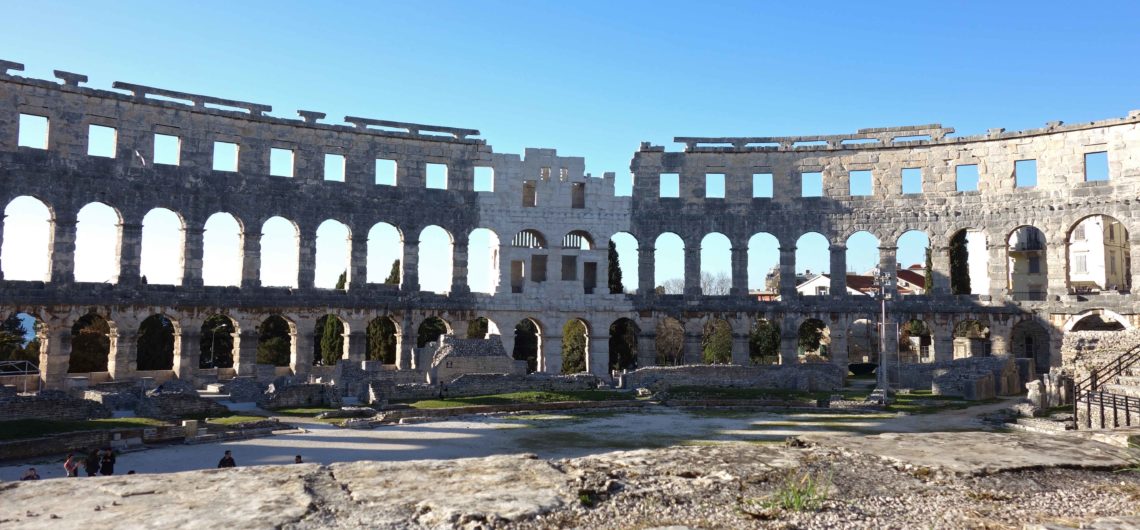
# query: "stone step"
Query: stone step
1040,425
216,388
1123,390
1129,380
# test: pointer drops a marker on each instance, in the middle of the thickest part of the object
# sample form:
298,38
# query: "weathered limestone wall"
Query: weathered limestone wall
174,406
982,377
1083,351
51,407
482,384
809,377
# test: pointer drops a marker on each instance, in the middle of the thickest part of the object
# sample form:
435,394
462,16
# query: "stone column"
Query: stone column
789,341
787,272
358,260
188,351
304,340
940,263
357,344
411,265
838,286
598,355
306,259
130,254
692,353
1134,253
508,340
739,271
888,263
406,342
550,358
645,270
740,349
123,359
63,250
246,347
192,258
459,268
838,349
1057,254
692,270
251,264
997,269
943,343
647,349
55,354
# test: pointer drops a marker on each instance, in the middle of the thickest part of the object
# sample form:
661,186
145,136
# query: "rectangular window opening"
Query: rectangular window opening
33,131
569,268
1034,265
544,173
762,185
101,141
538,268
578,195
589,277
281,162
529,194
436,176
1096,166
385,172
811,184
334,167
862,183
167,149
670,186
563,174
1025,173
225,156
966,177
518,274
484,179
714,185
912,181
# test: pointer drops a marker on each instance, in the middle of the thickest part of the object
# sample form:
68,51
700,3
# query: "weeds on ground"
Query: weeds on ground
798,493
1133,459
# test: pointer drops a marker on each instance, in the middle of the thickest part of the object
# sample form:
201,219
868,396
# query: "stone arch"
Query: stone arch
430,330
216,343
483,261
813,255
716,342
764,342
863,340
29,229
91,341
716,264
98,240
670,343
628,255
385,254
222,250
813,341
436,267
275,341
862,252
1098,255
624,333
763,263
575,346
1030,339
529,238
157,343
913,256
333,254
528,343
578,240
669,263
969,262
280,252
1027,271
971,338
1096,319
329,344
384,340
21,337
162,259
916,341
481,327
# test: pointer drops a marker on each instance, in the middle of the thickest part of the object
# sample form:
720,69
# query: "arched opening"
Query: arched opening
280,251
716,342
969,262
156,344
28,233
334,252
383,340
578,240
623,345
435,267
163,244
763,265
623,257
863,341
20,338
1028,275
222,250
575,346
915,342
483,261
764,342
385,251
97,243
716,264
813,263
914,275
216,345
528,342
90,345
669,264
670,342
1099,257
529,238
1030,340
430,330
862,260
328,341
813,341
527,263
275,341
971,339
1098,322
481,328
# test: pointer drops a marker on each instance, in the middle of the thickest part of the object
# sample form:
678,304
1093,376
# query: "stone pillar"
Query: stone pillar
406,342
692,353
357,344
459,268
410,266
888,263
306,259
358,260
740,349
63,251
598,355
55,354
739,271
645,270
122,360
1134,253
130,254
789,341
187,351
838,349
1057,254
647,349
245,344
787,272
940,263
838,286
251,264
997,269
303,341
998,345
508,340
692,270
192,258
550,358
943,343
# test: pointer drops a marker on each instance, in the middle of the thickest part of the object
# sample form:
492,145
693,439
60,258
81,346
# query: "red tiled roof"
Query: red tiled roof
912,277
860,282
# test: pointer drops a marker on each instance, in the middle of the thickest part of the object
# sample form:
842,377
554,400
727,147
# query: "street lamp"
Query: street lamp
882,392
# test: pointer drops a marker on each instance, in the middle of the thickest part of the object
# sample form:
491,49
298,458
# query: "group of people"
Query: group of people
228,460
102,462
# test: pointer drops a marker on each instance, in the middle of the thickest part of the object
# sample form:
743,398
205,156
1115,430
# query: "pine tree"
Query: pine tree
274,344
615,270
217,346
394,276
928,281
341,281
716,344
477,328
764,343
332,340
959,264
623,345
573,347
382,340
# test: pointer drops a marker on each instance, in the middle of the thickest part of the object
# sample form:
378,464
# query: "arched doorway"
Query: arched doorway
528,342
670,342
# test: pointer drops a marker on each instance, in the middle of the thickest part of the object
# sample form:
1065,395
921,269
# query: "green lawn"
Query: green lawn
703,392
235,420
523,397
307,412
20,429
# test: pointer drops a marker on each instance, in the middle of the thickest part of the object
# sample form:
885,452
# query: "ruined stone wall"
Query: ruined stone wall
175,406
1083,351
484,384
58,408
811,377
951,377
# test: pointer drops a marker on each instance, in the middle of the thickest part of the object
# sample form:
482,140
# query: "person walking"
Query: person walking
297,460
91,464
107,463
227,460
30,474
71,466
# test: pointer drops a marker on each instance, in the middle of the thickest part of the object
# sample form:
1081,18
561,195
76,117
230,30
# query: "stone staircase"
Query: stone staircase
1126,384
1109,397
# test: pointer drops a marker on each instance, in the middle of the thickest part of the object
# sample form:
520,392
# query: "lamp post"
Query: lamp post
882,390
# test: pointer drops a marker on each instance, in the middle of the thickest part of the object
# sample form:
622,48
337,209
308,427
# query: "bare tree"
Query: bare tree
715,284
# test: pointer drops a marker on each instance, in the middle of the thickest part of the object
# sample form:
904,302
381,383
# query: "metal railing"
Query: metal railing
20,368
1126,408
1089,392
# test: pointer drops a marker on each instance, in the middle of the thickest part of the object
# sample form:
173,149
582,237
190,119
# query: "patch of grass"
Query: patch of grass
926,403
798,493
1133,459
22,429
235,420
707,392
307,412
523,397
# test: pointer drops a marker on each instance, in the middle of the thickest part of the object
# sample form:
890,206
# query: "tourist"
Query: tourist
107,463
91,464
71,466
30,474
297,460
227,460
131,472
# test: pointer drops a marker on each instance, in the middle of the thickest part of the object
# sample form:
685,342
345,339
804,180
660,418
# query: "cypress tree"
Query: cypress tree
615,270
959,264
394,275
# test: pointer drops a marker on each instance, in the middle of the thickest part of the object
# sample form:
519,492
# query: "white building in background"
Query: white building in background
978,262
1098,255
1028,273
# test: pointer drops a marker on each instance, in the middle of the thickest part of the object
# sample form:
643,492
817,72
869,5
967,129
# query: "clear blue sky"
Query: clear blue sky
594,79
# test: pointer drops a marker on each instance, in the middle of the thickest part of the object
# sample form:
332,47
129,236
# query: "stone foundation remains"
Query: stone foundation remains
808,377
